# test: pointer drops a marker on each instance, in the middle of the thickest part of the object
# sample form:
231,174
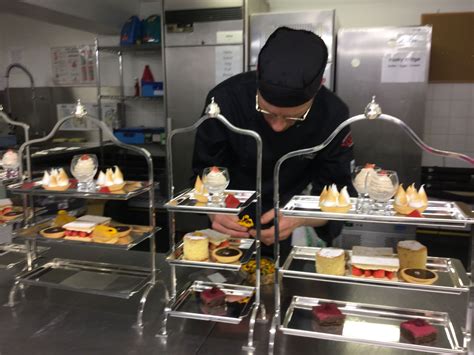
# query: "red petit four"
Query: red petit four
418,331
328,314
213,297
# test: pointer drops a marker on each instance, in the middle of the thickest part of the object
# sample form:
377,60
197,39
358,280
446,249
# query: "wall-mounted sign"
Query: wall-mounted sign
74,65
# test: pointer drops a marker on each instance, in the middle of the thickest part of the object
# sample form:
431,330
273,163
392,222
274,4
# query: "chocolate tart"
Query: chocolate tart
419,276
123,231
227,255
53,232
11,215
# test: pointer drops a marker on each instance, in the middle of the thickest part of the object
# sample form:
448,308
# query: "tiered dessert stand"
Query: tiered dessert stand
183,304
120,281
453,286
12,254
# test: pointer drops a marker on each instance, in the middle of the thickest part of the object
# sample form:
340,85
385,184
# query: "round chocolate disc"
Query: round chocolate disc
54,230
122,228
13,213
420,273
227,252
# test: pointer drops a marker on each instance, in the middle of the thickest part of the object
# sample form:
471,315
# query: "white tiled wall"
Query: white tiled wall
449,122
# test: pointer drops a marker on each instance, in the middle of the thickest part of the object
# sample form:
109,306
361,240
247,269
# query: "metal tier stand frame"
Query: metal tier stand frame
372,111
149,275
26,129
213,113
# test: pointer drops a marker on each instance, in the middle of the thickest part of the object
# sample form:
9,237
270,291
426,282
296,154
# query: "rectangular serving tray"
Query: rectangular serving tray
452,277
188,304
246,245
370,324
34,188
12,255
438,213
120,281
136,237
186,202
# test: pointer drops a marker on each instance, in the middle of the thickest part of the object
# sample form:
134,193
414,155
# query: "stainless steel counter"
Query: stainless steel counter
59,322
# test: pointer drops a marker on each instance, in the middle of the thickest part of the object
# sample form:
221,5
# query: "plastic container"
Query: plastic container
131,32
152,29
154,88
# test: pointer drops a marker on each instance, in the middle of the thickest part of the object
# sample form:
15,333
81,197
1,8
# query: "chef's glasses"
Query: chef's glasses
259,109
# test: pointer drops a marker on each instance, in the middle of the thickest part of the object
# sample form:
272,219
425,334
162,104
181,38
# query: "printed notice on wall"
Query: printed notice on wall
404,67
229,61
73,65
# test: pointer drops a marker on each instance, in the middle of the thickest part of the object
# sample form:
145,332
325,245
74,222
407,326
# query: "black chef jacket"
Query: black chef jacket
217,145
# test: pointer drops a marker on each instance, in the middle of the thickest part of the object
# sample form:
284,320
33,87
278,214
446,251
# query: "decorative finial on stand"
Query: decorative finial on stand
80,110
213,109
372,110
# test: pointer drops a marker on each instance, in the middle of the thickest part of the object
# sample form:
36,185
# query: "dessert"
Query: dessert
418,331
378,263
410,201
227,255
412,254
94,219
84,167
231,201
361,178
62,218
330,261
328,314
10,160
196,247
246,221
123,231
214,310
104,234
80,231
267,271
124,240
215,180
216,239
200,192
419,276
213,297
331,200
10,215
53,232
111,179
380,186
55,180
5,203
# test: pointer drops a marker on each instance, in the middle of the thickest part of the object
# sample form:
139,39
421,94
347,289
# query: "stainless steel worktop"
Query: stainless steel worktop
61,322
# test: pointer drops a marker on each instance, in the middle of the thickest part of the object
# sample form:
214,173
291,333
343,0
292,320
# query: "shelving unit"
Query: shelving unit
121,281
11,254
184,304
453,282
120,51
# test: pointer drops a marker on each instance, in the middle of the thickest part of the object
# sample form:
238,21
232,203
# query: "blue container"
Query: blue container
131,32
137,135
152,88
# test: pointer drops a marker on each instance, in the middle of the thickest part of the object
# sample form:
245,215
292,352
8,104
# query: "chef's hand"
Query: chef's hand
287,225
228,225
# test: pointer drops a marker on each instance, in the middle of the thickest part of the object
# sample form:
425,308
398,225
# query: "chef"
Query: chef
285,102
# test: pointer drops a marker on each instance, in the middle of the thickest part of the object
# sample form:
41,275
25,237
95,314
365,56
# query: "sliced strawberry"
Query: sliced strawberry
82,234
367,273
389,274
379,274
84,157
6,210
231,201
415,213
356,271
67,233
104,190
215,169
369,166
224,244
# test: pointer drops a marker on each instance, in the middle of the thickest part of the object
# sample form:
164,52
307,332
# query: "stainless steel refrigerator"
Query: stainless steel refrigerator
391,63
203,48
321,22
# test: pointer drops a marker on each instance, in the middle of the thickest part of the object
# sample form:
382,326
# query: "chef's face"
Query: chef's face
282,118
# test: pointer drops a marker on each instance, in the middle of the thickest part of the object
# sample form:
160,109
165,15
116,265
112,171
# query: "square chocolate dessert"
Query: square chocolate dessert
418,331
213,297
328,314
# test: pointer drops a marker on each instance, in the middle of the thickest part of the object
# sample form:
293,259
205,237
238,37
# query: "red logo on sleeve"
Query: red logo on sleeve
347,142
